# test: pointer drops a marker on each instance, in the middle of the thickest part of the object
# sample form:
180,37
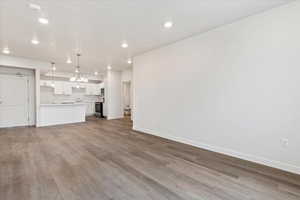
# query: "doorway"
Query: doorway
126,98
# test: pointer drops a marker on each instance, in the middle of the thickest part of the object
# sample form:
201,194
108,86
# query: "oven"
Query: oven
99,109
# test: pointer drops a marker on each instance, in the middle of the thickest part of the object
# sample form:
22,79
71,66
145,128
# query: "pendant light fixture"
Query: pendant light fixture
53,68
78,77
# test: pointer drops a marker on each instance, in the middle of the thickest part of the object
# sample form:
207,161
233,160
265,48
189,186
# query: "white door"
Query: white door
14,101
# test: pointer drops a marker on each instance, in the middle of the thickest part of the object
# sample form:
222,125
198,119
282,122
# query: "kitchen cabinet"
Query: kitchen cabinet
45,83
101,85
62,88
54,114
88,89
92,89
65,88
90,108
98,88
59,87
68,88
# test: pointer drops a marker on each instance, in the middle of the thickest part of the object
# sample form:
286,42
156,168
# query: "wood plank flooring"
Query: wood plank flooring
106,160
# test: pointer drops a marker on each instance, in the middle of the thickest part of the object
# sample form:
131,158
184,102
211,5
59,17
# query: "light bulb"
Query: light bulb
35,41
43,20
6,51
168,24
69,61
124,45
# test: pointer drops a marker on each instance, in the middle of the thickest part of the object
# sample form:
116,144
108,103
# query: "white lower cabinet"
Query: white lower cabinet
53,114
90,108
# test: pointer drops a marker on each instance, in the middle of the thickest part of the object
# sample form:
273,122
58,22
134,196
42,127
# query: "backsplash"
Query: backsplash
48,96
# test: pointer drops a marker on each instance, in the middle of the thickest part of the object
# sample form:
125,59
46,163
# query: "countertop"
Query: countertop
63,104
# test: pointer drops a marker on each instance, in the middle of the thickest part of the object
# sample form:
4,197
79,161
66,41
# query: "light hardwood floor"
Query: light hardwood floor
106,160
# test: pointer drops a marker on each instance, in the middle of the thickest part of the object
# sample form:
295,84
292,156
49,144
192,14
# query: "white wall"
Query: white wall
12,61
126,95
113,92
37,96
127,75
235,89
105,107
127,80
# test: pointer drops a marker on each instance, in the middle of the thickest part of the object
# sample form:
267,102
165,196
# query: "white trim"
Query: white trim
117,117
259,160
37,97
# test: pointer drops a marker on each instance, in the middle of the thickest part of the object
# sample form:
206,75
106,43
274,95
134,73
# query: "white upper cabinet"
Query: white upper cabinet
92,89
88,89
65,88
59,87
45,83
68,88
101,85
97,89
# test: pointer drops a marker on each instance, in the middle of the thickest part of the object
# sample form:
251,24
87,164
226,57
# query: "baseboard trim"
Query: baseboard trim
117,117
251,158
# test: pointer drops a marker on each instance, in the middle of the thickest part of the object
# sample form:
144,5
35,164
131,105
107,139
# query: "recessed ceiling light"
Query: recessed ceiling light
34,6
69,61
124,45
96,73
129,61
43,20
6,50
109,67
168,24
35,41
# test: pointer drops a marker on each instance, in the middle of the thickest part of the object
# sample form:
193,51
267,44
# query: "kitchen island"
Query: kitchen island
55,114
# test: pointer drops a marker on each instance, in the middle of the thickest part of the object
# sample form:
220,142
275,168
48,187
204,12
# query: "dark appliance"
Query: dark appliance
99,109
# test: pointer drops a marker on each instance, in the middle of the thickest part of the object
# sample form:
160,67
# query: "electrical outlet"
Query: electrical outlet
285,142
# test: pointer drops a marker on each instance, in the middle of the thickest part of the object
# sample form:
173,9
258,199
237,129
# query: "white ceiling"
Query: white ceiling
97,27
